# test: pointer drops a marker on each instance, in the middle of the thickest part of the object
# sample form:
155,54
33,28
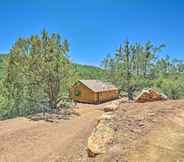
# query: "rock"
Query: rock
107,116
163,96
150,95
111,107
101,136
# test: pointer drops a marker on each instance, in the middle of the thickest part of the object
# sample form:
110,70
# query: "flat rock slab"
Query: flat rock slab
102,135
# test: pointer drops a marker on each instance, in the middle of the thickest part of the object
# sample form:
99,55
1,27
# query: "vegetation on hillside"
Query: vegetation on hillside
89,72
135,66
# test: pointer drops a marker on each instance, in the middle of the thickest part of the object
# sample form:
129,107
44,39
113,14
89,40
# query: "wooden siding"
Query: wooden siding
86,95
89,96
108,95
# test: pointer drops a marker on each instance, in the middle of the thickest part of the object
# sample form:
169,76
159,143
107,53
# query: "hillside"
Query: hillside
88,72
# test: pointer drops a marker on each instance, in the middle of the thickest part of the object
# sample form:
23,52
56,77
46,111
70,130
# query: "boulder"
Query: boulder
107,116
111,107
150,95
101,136
163,96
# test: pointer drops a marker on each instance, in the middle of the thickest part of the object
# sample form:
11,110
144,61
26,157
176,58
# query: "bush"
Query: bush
174,89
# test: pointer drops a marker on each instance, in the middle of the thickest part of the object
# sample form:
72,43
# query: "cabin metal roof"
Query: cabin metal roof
98,86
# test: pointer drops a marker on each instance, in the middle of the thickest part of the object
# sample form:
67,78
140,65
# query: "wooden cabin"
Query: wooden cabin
93,91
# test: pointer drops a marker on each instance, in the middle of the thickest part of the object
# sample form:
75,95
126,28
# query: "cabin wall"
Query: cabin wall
86,95
108,95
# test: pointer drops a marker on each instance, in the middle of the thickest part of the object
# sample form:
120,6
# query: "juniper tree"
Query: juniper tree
38,71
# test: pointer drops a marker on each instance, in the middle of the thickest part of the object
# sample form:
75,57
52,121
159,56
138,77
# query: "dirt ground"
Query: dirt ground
24,140
149,132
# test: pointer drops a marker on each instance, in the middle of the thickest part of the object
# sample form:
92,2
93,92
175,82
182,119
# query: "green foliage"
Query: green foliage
38,74
173,88
83,71
26,99
77,93
89,72
136,66
130,67
2,56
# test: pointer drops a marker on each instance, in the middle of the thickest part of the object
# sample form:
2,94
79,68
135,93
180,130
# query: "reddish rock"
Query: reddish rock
149,95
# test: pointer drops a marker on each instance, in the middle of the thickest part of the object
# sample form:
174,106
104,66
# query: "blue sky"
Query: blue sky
95,28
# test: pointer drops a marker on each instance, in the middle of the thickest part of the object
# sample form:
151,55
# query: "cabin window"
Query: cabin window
77,93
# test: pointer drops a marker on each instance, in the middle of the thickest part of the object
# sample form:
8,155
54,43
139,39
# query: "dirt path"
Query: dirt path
22,140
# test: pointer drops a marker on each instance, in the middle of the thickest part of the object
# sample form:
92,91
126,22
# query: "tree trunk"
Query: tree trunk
130,93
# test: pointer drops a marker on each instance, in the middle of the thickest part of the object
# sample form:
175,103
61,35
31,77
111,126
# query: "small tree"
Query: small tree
119,68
